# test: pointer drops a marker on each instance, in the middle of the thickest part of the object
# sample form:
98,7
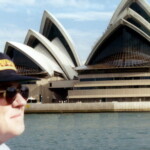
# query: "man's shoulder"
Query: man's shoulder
4,147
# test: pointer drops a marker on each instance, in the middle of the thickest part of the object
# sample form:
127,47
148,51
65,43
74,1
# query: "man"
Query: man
13,98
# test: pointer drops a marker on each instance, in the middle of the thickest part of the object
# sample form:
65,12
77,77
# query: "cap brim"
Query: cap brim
17,78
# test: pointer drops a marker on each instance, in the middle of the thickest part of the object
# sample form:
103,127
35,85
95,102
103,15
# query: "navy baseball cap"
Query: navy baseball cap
8,71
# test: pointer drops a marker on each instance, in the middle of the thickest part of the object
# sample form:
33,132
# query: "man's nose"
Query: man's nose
19,101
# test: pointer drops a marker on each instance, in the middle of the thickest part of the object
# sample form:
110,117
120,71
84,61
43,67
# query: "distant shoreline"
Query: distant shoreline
88,107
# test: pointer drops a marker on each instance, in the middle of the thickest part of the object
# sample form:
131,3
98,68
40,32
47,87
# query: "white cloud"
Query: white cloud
8,9
86,4
75,3
11,6
85,16
11,34
17,2
148,1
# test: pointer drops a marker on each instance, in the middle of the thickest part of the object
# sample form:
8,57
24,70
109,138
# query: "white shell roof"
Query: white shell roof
54,21
129,13
45,62
57,52
125,4
123,11
111,30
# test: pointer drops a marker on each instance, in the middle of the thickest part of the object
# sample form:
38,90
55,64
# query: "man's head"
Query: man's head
13,98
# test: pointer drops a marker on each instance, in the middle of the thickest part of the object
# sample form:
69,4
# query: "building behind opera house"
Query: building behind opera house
117,69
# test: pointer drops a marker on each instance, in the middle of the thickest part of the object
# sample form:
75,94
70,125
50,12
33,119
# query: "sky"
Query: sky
84,20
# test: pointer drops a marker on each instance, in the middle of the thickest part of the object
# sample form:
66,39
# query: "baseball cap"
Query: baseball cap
8,71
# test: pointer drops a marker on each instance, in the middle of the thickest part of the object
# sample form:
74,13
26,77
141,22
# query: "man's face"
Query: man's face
11,117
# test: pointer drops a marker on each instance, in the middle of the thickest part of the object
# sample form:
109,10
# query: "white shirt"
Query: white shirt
4,147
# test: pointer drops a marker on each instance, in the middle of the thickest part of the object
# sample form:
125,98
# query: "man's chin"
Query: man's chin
18,133
18,129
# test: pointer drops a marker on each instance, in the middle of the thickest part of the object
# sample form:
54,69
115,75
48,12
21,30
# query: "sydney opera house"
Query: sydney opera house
117,69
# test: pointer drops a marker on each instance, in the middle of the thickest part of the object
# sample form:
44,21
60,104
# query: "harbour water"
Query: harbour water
84,131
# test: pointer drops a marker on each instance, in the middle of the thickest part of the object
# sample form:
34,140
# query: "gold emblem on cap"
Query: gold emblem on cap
6,64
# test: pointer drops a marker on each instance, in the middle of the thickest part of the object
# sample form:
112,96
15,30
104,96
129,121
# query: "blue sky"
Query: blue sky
84,20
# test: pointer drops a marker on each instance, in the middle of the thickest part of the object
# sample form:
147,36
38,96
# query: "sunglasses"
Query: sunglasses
10,93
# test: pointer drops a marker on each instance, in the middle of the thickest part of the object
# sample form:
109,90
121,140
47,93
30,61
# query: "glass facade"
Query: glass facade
114,78
32,42
112,87
134,22
24,64
140,11
124,48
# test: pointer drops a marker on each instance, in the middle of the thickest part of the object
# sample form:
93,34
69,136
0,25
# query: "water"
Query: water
89,131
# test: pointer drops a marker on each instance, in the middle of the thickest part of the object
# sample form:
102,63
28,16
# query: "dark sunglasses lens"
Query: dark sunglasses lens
24,91
12,91
10,94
